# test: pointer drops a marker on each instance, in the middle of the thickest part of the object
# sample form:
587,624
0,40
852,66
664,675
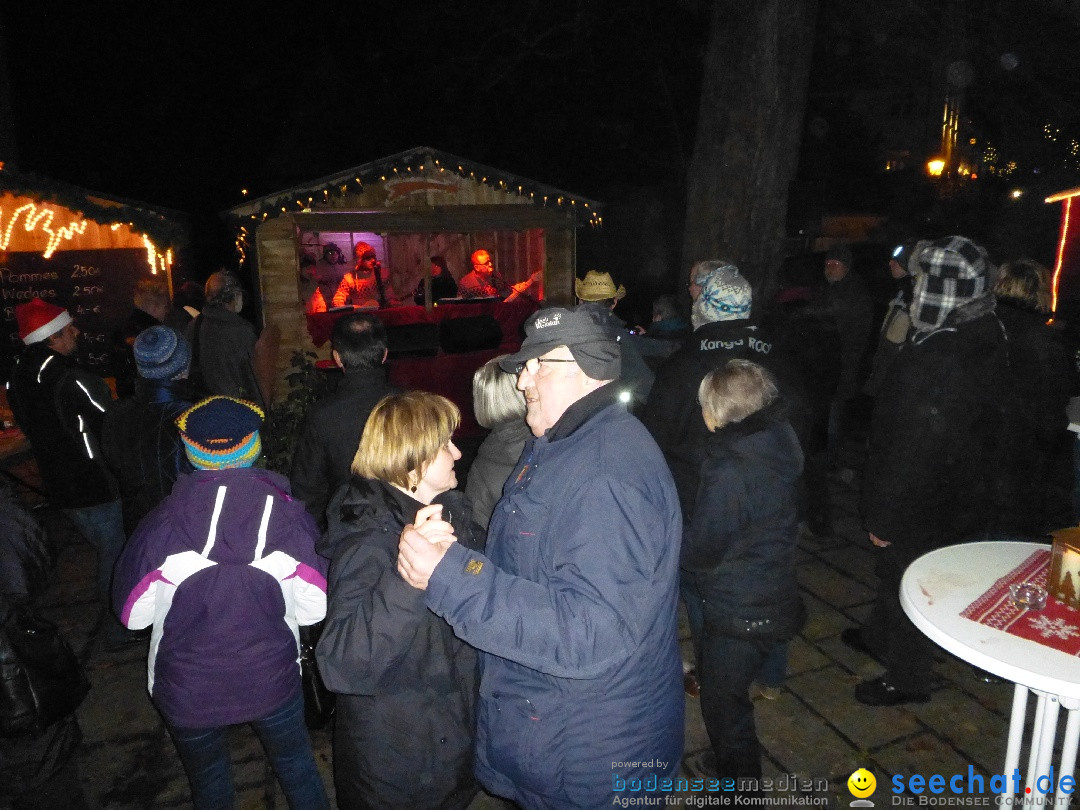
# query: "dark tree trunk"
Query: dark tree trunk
753,98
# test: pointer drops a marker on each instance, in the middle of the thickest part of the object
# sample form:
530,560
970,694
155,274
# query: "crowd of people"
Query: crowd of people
521,635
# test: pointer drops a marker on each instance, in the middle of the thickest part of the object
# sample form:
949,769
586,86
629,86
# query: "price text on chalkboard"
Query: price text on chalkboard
96,287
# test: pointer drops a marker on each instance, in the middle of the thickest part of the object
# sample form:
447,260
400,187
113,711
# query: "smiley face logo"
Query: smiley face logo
862,783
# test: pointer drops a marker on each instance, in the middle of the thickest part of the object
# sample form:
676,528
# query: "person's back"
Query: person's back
37,769
499,406
223,343
723,330
933,468
138,434
224,571
738,551
224,652
1042,378
71,472
935,423
332,428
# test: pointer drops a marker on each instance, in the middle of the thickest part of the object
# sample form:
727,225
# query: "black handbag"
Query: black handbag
318,700
41,679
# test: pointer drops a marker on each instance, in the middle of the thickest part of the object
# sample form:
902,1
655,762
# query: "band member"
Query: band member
364,286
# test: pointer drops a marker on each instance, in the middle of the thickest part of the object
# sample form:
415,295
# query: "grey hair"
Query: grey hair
496,399
736,390
224,289
151,292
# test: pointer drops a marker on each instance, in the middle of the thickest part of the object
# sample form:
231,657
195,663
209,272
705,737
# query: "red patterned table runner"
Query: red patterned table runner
1056,626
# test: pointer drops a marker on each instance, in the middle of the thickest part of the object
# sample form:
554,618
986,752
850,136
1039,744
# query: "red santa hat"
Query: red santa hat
39,320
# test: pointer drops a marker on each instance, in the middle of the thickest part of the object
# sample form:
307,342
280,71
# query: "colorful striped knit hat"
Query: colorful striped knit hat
221,432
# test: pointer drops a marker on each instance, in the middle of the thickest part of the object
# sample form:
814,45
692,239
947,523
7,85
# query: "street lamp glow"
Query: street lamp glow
1016,193
935,167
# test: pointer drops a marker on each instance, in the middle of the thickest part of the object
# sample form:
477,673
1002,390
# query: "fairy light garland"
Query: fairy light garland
387,170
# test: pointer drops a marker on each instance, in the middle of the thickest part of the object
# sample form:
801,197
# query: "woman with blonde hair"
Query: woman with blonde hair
1036,446
737,554
500,407
406,684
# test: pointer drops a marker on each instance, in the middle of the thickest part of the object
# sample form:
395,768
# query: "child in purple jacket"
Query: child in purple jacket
225,571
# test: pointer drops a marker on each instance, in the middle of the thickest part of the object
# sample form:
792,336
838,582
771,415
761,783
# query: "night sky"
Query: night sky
182,105
182,108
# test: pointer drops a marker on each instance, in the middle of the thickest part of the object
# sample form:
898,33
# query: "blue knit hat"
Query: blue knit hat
221,432
161,353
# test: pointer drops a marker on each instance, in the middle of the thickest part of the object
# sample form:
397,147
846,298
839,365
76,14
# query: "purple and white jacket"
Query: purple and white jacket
225,570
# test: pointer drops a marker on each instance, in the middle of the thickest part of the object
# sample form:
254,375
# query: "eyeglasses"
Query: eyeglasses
533,364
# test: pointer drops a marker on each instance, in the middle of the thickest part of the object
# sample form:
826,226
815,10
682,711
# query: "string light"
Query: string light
151,254
33,217
1060,253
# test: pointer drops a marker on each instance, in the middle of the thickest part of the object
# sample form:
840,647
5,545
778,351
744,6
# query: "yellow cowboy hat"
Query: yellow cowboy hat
597,286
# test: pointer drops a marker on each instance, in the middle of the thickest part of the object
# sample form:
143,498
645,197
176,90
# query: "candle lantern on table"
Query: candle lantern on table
1064,580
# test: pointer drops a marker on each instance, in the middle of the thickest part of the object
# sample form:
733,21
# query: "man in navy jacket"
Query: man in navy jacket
574,605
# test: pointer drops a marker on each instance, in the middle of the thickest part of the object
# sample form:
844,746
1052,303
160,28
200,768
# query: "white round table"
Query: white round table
938,586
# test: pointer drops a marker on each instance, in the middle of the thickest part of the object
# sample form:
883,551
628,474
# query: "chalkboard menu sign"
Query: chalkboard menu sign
96,286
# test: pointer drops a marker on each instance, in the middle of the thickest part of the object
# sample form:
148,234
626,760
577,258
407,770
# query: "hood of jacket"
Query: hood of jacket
742,433
193,500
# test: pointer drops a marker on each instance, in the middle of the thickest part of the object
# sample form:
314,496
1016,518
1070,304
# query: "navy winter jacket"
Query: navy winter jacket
575,610
739,546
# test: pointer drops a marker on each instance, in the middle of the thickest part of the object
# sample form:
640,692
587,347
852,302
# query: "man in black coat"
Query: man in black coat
60,408
933,466
723,330
331,431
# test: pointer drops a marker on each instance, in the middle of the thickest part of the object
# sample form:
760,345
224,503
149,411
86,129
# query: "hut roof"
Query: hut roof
419,162
166,227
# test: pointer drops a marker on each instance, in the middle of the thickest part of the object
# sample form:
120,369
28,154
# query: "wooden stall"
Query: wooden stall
80,250
407,207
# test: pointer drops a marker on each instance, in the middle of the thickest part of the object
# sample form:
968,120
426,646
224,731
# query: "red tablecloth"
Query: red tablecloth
1057,625
509,315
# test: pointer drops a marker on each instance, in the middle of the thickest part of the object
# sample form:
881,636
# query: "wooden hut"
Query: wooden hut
81,250
409,207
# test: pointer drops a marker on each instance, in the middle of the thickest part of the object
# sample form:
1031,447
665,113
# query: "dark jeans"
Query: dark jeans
284,737
103,527
908,655
725,670
774,669
726,667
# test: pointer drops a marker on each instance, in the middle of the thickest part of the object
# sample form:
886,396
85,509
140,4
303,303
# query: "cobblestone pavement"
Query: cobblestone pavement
813,731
